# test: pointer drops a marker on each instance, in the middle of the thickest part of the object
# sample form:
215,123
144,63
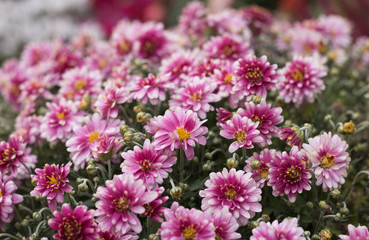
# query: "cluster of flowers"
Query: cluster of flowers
78,95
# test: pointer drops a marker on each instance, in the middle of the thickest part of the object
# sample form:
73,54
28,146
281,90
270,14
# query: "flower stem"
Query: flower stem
110,172
353,182
25,166
181,164
9,236
244,154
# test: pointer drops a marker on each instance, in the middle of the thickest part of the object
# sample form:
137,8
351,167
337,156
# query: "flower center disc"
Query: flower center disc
240,136
189,233
183,134
327,161
122,204
230,194
254,75
93,137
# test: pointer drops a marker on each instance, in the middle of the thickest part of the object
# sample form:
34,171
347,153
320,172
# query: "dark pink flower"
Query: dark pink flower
288,228
226,48
360,232
258,18
154,210
223,116
223,76
106,147
12,154
293,136
107,102
225,224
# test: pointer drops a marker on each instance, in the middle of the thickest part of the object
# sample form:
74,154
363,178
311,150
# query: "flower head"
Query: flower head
225,224
288,229
154,209
360,232
226,47
12,153
293,136
107,102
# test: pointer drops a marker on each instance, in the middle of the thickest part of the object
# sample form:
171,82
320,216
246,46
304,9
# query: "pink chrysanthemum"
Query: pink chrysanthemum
288,174
102,57
150,165
12,154
224,79
74,224
59,121
107,146
302,79
35,89
192,20
179,129
243,131
80,81
28,128
288,229
154,210
110,236
120,201
22,172
223,115
226,47
330,160
151,88
261,174
235,189
7,200
293,136
266,116
196,96
205,68
336,28
225,224
355,233
252,75
85,138
107,102
305,41
123,36
258,18
52,183
188,224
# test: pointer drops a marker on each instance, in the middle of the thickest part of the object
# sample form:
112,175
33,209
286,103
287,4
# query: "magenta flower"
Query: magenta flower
109,236
243,131
258,18
28,127
12,154
150,165
288,228
151,88
288,174
178,129
205,68
74,224
119,201
107,102
52,183
305,41
293,136
7,200
234,189
226,47
224,79
266,116
261,174
154,209
107,146
337,29
360,232
301,79
35,88
196,96
86,138
252,76
330,160
22,173
188,224
223,115
225,224
123,36
59,121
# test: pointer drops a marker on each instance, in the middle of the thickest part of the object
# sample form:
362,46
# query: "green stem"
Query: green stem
244,154
110,172
28,170
181,164
353,182
9,235
71,199
125,116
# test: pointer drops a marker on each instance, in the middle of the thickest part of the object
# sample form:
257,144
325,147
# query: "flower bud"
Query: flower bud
140,117
154,237
176,192
96,179
338,216
232,163
265,217
79,180
349,127
255,164
123,129
82,187
208,155
37,216
91,169
253,224
327,117
335,193
325,234
307,234
147,117
324,206
344,210
257,99
315,237
94,199
310,204
85,103
184,186
34,183
206,167
137,109
128,136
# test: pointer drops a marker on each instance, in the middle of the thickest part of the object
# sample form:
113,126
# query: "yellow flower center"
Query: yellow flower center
228,78
80,84
255,119
71,228
327,161
254,75
121,204
102,63
183,134
196,97
93,137
227,50
189,233
146,165
264,173
240,136
1,194
124,46
297,75
349,127
293,173
217,237
60,115
230,194
51,180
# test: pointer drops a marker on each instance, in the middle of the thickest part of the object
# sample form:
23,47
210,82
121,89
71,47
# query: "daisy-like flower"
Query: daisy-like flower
205,68
252,75
261,174
107,102
120,201
288,174
123,36
179,129
243,131
258,18
187,224
302,79
86,138
107,146
234,189
196,96
8,200
266,116
28,128
224,79
154,210
305,41
151,88
52,183
148,164
226,47
110,236
225,224
74,224
288,228
12,154
59,121
336,28
223,115
330,160
360,232
293,136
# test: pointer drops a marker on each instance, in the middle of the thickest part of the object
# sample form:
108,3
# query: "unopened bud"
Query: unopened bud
338,216
123,129
265,217
307,234
349,127
82,187
184,186
232,163
327,117
91,169
154,237
335,193
85,103
344,210
176,192
310,204
128,136
325,234
255,164
257,99
140,117
37,216
137,109
208,155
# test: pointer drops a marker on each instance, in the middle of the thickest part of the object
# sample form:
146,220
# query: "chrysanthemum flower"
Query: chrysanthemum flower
288,174
7,200
74,224
52,183
243,131
223,115
120,201
151,88
226,47
261,174
288,228
59,121
148,164
330,160
123,36
12,154
258,18
224,79
235,189
22,173
252,76
110,236
360,232
102,57
154,210
179,129
336,28
225,224
266,116
28,127
293,136
107,102
302,79
305,41
188,224
85,138
107,146
196,96
205,68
